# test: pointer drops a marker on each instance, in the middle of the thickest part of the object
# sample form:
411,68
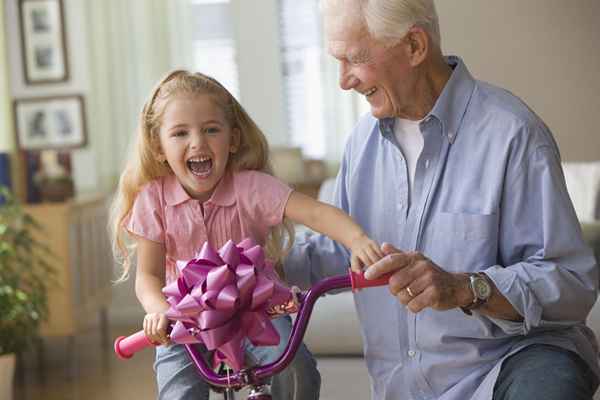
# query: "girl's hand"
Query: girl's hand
364,253
155,328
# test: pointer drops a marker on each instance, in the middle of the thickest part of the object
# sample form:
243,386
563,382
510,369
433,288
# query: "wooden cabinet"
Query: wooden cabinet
76,232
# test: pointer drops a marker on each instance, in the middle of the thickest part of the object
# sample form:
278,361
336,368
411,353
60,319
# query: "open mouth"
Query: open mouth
370,92
200,166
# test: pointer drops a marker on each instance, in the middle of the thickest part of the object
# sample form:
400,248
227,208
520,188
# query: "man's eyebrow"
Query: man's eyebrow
336,49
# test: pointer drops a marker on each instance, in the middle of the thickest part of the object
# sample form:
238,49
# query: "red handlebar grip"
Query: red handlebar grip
127,346
359,281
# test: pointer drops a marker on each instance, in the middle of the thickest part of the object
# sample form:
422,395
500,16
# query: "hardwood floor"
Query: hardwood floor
97,374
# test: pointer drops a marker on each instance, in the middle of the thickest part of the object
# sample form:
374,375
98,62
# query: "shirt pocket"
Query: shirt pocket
463,242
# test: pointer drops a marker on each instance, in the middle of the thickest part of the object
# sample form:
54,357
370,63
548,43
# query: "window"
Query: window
213,42
302,66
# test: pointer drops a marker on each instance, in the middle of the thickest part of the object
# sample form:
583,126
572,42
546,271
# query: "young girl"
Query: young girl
200,172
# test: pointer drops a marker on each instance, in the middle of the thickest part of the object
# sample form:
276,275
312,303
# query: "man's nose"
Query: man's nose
347,79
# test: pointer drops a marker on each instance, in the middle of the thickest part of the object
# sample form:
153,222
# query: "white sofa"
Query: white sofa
334,328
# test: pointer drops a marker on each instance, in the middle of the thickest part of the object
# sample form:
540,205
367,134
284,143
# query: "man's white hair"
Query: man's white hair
386,20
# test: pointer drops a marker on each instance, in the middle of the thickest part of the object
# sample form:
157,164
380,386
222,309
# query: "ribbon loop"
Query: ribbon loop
221,299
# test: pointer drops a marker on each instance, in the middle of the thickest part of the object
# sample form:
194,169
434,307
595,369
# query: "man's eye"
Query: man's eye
180,133
359,58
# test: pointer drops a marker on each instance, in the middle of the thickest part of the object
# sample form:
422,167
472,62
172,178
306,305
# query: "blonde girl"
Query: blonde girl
200,172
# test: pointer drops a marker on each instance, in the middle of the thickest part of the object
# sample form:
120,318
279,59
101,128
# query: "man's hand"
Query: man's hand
418,283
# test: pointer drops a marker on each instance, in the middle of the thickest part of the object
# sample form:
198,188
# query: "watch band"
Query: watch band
477,301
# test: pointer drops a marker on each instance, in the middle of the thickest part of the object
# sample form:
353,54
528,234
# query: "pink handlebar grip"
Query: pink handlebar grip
127,346
359,281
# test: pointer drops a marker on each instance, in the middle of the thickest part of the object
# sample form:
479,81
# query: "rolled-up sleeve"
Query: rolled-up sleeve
549,274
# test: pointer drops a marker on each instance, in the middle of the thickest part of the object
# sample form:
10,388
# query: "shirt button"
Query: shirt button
412,353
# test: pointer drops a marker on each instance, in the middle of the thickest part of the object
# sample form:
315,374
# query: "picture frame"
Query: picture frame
56,122
43,44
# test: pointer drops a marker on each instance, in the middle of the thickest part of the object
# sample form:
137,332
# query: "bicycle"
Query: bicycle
256,377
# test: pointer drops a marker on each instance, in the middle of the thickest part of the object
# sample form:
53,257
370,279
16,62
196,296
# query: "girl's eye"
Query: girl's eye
213,130
180,133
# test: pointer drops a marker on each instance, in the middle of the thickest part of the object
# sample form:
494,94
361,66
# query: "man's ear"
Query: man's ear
235,140
418,42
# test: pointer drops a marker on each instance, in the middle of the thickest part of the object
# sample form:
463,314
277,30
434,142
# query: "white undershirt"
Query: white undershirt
410,139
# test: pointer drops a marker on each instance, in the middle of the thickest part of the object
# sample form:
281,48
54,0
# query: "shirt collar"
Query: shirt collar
174,193
452,104
224,194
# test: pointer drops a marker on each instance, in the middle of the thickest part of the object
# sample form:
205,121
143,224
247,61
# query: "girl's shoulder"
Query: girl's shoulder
254,179
154,192
154,187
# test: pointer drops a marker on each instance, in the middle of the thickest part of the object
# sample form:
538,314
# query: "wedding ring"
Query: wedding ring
410,293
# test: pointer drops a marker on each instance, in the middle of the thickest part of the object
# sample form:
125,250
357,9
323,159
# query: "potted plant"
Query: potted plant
25,276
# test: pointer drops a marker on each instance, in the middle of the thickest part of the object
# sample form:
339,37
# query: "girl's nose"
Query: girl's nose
347,79
197,140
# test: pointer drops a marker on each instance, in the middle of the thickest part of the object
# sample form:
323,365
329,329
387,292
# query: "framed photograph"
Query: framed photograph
43,41
50,123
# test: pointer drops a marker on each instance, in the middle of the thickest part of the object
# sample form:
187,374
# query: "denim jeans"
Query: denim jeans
544,372
177,378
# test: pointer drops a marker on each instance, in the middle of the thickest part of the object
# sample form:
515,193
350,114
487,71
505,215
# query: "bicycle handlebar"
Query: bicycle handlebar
126,347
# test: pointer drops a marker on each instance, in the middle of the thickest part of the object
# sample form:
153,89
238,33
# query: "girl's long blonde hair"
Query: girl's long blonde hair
143,165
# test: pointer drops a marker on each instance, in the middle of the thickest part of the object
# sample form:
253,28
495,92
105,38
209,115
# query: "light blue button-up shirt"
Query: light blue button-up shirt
489,195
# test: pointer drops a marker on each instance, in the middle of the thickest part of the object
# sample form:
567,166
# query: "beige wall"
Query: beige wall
545,51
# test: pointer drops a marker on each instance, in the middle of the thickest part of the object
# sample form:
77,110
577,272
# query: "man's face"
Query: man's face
382,74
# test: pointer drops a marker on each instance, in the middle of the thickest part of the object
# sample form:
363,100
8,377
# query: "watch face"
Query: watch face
482,288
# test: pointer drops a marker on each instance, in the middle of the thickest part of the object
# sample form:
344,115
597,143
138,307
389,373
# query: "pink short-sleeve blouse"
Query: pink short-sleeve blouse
244,204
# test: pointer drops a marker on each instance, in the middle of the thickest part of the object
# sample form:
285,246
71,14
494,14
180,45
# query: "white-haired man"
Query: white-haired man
463,185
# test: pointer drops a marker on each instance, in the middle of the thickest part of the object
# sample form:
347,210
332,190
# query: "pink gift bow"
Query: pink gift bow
221,298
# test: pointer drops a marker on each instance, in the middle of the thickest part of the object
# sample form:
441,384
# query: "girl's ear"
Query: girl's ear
159,155
235,140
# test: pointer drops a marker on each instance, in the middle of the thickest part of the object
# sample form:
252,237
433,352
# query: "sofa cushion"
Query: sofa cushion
583,184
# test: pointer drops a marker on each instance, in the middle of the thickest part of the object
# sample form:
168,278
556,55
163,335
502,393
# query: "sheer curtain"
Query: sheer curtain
319,114
128,51
203,39
250,47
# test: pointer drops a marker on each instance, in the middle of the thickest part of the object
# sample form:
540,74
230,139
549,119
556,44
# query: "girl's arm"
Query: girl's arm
336,224
149,281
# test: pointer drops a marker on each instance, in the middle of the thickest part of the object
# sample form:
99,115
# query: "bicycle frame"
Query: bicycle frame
255,377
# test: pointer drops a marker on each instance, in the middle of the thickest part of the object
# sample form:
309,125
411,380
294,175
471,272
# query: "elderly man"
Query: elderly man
462,183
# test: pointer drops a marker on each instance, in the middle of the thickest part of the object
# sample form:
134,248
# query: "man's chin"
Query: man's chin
380,113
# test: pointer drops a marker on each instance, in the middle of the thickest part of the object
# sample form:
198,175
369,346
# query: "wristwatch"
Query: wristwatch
482,290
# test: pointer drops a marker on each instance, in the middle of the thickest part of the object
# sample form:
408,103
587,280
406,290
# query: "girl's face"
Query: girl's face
196,140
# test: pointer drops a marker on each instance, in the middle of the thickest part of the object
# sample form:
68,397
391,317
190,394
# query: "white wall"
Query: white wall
84,160
545,51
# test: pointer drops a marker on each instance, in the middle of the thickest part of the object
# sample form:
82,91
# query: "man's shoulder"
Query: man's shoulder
489,99
506,116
